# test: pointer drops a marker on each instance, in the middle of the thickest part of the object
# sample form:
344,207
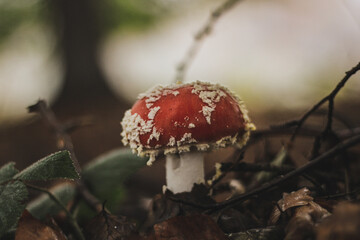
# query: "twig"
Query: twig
313,181
275,131
73,125
329,122
184,65
338,117
254,167
64,142
269,185
279,131
329,98
316,147
348,132
339,195
347,178
239,155
70,217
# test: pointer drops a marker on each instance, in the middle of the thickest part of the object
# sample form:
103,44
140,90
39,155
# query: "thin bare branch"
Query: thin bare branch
254,167
71,218
329,98
64,141
199,37
277,181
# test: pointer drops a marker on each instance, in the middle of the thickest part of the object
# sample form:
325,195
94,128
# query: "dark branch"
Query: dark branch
64,141
329,122
238,156
329,98
71,218
184,65
280,180
254,167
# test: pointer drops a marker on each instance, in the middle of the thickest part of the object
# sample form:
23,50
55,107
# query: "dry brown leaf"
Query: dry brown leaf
232,221
289,200
109,227
302,224
344,224
163,208
306,213
299,228
30,228
160,210
188,227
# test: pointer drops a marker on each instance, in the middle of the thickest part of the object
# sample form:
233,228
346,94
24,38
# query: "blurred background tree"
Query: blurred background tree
67,34
92,58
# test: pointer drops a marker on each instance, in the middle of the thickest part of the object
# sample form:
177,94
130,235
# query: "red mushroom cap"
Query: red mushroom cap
173,119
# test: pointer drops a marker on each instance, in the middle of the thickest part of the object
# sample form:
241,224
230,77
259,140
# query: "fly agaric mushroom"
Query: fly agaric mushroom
183,121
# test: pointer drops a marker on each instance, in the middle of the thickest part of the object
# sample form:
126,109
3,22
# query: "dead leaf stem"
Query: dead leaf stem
339,148
199,37
64,142
71,218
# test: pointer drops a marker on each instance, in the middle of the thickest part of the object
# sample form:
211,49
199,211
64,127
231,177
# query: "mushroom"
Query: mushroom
183,122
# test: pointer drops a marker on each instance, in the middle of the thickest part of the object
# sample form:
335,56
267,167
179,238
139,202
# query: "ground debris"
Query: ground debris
188,227
289,200
30,228
269,233
109,227
304,214
163,208
232,220
344,224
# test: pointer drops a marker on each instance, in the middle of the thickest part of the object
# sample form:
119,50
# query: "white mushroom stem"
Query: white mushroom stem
184,170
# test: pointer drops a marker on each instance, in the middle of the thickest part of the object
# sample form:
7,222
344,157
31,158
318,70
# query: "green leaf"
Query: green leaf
12,197
278,161
7,172
44,205
106,174
56,165
112,168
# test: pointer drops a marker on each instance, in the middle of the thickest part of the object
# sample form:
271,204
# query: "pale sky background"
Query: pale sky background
29,70
286,53
269,52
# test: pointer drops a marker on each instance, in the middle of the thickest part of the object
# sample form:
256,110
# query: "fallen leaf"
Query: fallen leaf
108,227
189,227
299,228
232,221
344,224
306,213
151,236
269,233
161,209
289,200
30,228
302,224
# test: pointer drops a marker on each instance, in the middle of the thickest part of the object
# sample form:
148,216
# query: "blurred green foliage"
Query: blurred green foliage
13,191
106,174
111,14
13,13
129,14
105,178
